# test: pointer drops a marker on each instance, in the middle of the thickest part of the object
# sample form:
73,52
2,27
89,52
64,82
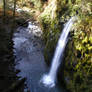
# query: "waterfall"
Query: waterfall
50,78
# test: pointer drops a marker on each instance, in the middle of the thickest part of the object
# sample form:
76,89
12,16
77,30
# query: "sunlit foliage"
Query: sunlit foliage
78,54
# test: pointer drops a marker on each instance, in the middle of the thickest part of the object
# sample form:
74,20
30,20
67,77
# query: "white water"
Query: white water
29,57
50,79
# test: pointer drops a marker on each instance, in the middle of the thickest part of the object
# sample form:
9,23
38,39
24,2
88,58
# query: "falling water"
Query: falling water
49,79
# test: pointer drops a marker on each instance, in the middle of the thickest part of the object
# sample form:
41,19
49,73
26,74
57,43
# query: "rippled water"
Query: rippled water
29,58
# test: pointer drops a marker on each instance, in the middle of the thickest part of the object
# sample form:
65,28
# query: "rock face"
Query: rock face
7,72
77,66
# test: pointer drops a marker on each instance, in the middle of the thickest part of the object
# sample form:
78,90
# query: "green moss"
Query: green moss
81,58
78,54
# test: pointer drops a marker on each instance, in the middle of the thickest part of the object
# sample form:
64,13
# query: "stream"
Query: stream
29,58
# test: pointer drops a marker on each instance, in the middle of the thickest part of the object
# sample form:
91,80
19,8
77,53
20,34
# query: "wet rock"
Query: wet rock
16,85
35,44
22,22
17,71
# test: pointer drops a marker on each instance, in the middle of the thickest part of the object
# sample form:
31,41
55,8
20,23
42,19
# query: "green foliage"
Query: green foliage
49,23
78,56
37,4
80,59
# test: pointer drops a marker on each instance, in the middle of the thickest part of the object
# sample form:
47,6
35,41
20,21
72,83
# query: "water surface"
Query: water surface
29,58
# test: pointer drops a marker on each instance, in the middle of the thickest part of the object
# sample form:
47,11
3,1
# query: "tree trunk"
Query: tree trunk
22,1
13,24
4,7
14,8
